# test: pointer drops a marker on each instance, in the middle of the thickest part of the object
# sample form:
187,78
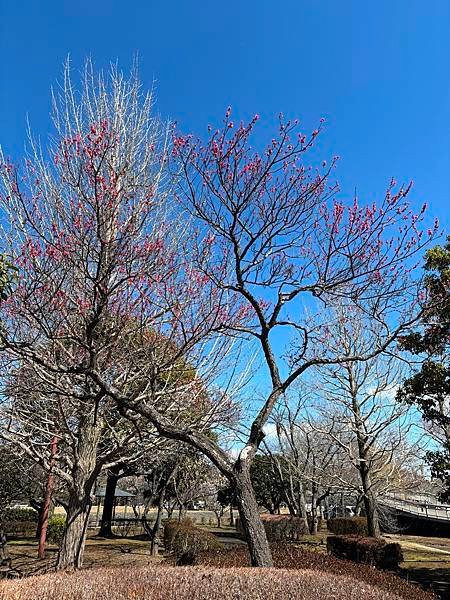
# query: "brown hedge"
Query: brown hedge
185,541
348,526
19,529
190,583
280,528
287,556
373,551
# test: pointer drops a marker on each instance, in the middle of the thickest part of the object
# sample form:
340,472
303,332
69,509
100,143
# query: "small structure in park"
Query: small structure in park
121,498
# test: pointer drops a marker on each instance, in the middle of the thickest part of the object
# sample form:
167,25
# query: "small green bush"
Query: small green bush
373,551
55,529
348,526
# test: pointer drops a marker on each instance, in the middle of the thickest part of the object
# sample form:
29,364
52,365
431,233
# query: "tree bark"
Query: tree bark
157,524
313,519
248,508
74,538
108,503
364,464
370,505
5,559
44,515
84,474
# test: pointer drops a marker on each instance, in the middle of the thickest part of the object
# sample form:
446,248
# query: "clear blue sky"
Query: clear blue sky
378,71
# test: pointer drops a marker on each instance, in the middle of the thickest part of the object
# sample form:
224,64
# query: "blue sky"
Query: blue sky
378,71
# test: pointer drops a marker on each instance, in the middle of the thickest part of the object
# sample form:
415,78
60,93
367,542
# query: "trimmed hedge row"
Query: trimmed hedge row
19,529
348,526
155,582
288,556
28,515
368,550
186,541
19,522
280,528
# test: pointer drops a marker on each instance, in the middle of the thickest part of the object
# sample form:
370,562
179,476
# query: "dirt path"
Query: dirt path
415,546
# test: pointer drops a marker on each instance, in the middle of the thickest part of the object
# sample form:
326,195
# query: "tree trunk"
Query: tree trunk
157,524
181,512
370,504
108,504
84,473
44,515
251,521
5,559
313,519
39,508
326,508
74,538
170,509
364,465
301,500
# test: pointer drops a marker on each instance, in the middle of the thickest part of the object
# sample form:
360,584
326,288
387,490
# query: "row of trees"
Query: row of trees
152,267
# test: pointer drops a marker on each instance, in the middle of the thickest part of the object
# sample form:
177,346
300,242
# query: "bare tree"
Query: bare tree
306,459
359,410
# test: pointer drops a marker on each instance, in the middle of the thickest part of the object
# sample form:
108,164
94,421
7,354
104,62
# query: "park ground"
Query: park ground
427,559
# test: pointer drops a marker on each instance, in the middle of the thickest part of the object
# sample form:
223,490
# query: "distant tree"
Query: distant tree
226,496
268,486
429,388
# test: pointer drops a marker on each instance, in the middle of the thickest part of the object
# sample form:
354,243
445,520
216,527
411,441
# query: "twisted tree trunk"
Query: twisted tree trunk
72,546
248,508
84,474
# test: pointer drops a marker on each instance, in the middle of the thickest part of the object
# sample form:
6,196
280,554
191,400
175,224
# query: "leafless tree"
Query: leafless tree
359,411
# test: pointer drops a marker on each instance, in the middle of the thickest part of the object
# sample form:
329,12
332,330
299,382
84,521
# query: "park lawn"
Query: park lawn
99,553
426,561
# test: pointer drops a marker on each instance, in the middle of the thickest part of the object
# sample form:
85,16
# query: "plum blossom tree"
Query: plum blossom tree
276,238
280,240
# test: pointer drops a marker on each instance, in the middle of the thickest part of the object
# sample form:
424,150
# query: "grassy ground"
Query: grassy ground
427,560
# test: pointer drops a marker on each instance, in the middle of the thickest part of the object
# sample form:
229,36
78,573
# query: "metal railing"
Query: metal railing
420,509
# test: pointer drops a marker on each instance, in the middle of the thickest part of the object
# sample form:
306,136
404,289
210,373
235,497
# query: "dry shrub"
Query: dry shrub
186,541
191,583
280,528
368,550
348,526
286,556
